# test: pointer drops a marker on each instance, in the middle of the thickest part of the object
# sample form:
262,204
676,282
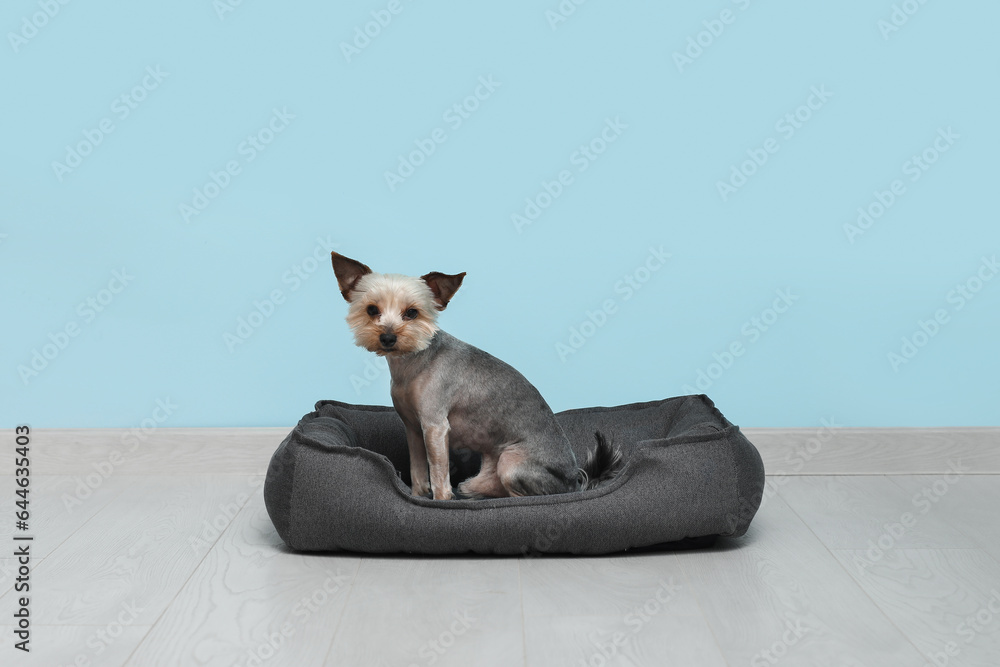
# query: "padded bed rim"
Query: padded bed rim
386,467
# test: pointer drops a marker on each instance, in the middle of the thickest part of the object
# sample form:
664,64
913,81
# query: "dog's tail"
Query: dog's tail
603,463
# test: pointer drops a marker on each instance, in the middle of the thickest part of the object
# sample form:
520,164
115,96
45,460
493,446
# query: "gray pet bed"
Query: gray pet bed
340,482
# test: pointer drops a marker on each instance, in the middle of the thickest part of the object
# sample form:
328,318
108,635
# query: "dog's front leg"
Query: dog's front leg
436,442
419,484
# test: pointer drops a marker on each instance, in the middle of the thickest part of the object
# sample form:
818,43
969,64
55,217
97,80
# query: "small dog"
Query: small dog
450,394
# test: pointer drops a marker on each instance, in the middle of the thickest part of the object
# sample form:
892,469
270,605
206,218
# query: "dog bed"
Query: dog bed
340,482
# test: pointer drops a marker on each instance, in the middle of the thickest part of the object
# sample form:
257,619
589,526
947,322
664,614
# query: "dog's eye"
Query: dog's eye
372,310
411,313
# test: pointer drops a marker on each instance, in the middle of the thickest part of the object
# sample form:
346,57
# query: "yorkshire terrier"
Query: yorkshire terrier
450,394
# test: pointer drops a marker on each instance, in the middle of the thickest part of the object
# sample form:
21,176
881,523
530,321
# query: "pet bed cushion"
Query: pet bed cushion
340,481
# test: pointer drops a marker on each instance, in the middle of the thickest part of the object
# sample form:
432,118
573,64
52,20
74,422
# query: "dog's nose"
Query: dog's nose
387,339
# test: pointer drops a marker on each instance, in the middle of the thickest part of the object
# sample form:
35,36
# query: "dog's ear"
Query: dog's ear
443,286
348,272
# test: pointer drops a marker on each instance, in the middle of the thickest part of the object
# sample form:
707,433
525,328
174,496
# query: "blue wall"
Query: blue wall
789,206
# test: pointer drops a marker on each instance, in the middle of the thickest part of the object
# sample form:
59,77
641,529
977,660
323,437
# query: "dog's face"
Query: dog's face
392,314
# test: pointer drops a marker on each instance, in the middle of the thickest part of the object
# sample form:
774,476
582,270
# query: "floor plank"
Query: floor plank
969,503
160,451
8,573
876,451
71,645
60,505
792,451
849,512
442,611
659,639
135,553
779,594
634,609
558,586
250,599
935,597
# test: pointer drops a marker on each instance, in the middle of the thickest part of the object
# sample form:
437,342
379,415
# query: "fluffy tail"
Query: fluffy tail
603,463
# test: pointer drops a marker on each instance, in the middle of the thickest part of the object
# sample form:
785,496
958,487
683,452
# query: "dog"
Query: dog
452,395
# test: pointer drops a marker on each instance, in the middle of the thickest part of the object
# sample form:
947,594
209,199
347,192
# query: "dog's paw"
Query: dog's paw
419,489
466,491
444,494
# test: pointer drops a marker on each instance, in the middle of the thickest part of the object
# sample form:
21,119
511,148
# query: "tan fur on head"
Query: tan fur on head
389,303
394,296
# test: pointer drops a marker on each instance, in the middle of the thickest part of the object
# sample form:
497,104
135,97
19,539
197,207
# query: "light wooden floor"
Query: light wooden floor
172,560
